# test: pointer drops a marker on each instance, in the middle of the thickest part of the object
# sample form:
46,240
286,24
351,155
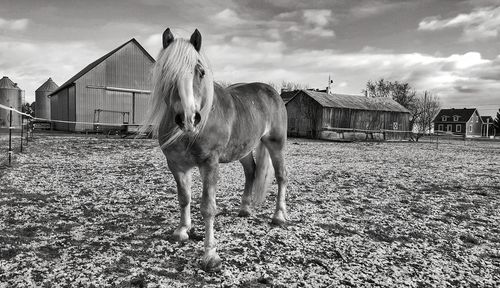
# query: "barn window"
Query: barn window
459,128
440,127
395,125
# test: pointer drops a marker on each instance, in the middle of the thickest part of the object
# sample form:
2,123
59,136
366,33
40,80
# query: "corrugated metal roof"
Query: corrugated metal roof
6,83
48,86
355,102
97,62
464,114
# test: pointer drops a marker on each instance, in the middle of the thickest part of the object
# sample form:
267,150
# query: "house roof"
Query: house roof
97,62
48,86
357,102
464,114
6,83
485,119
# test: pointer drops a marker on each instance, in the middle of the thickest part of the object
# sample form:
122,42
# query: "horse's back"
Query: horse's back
263,103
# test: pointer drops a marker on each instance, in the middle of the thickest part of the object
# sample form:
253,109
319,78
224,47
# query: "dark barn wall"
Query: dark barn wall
307,118
304,116
363,119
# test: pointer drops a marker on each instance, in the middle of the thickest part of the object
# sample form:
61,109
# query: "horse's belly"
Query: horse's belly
236,150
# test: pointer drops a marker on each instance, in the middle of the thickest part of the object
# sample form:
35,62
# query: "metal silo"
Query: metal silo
10,96
42,100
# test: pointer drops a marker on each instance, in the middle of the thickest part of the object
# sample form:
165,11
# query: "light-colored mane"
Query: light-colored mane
175,62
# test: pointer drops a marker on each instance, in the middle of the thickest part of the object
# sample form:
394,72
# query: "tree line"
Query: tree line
423,106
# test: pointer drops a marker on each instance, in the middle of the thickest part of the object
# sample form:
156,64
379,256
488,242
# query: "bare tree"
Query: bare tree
401,92
224,84
290,86
427,106
275,85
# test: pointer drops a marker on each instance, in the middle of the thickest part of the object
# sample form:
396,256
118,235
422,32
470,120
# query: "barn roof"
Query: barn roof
463,114
97,62
48,86
351,101
288,95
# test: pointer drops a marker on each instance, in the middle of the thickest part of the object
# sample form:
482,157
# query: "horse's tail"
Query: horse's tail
263,174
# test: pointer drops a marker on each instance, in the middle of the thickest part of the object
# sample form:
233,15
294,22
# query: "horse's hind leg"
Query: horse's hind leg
277,154
246,200
183,179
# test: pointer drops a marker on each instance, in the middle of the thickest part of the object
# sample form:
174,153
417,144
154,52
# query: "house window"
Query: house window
455,118
459,128
470,128
444,118
440,127
448,128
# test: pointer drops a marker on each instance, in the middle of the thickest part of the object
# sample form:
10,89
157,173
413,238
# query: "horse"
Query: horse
199,123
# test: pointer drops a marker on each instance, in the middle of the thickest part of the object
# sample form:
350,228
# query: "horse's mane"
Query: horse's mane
176,61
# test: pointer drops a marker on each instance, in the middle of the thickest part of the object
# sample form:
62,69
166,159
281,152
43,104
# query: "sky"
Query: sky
450,48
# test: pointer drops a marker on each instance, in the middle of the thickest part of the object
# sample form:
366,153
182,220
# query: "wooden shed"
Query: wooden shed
113,89
317,114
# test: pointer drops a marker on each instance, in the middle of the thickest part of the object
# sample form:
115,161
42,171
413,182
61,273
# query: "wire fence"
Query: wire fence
19,133
14,139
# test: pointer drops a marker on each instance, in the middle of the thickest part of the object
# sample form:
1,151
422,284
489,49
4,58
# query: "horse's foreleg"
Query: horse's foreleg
276,151
183,180
246,200
209,172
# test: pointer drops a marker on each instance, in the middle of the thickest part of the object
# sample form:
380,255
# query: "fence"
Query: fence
24,133
16,137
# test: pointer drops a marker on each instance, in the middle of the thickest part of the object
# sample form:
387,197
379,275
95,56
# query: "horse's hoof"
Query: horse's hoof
211,263
279,218
180,235
244,213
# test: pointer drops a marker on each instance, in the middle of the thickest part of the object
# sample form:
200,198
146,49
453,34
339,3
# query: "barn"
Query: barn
318,114
113,89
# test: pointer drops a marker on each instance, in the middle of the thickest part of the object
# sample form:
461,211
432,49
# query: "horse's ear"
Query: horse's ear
196,40
168,38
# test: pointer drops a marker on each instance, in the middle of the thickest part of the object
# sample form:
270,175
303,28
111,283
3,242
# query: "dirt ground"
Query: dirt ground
91,211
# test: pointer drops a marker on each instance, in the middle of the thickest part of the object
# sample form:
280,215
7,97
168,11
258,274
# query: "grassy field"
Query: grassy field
97,212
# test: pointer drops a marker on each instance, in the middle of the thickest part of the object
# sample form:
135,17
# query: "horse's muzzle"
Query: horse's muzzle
187,124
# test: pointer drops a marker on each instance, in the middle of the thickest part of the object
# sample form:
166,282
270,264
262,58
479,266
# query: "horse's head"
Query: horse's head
187,81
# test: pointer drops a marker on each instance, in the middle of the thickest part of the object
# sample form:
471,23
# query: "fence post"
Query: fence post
10,136
22,131
27,131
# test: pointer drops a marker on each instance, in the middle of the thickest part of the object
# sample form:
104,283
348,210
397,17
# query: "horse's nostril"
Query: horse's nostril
179,120
197,118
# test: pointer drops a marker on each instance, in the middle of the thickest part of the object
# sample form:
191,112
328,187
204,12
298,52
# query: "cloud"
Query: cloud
317,17
372,8
482,23
228,17
14,25
454,78
312,22
31,63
